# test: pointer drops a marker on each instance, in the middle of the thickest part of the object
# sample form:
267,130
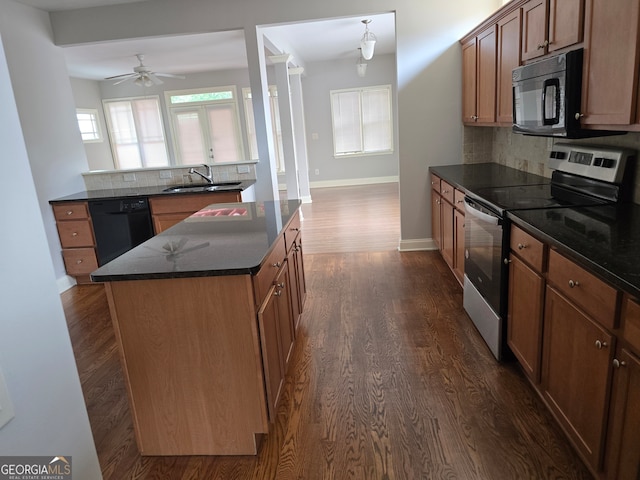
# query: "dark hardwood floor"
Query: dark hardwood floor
388,379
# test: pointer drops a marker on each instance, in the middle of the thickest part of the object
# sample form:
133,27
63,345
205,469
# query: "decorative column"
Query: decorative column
300,137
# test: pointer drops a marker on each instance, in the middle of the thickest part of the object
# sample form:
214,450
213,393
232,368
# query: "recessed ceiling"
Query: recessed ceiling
310,41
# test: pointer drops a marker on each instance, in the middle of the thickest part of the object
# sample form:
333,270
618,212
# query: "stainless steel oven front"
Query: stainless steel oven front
484,272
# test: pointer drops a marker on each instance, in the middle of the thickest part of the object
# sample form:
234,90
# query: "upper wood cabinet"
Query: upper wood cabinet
509,34
479,78
610,83
550,25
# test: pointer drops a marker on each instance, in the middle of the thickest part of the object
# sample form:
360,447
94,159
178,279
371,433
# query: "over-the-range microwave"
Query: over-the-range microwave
546,98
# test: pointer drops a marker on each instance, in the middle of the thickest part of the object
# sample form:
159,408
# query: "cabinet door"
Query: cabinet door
436,221
623,454
300,277
611,63
566,23
486,77
458,237
447,232
534,29
524,318
270,346
469,82
285,316
576,366
509,29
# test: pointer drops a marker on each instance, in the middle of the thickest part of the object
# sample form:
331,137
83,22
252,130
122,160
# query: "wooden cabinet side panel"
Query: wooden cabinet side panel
486,87
436,220
509,34
576,374
524,328
193,364
611,46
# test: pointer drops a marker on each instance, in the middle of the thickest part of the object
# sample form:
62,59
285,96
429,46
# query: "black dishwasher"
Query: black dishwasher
119,225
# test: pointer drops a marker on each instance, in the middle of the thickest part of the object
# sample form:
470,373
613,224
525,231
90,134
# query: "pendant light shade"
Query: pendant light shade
368,41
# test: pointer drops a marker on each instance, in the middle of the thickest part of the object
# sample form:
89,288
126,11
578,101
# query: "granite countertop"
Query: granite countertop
604,239
221,239
469,177
139,191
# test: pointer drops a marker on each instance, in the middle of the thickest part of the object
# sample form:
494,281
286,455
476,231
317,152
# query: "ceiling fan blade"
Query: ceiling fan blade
120,76
170,75
154,79
130,77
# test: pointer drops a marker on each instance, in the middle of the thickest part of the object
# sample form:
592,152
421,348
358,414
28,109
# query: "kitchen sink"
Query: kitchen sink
200,188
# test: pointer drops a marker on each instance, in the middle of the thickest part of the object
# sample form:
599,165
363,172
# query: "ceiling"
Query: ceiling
319,40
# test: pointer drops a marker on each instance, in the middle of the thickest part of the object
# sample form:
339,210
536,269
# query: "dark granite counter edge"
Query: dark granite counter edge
581,260
168,276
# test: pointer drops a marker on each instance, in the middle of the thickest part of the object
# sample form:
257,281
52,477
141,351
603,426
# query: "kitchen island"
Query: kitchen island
205,315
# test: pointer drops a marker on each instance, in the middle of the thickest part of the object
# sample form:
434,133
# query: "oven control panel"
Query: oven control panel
600,163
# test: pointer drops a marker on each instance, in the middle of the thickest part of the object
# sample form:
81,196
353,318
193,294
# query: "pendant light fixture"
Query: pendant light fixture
368,41
361,66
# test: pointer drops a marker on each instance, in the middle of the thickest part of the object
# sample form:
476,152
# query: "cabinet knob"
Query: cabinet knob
280,285
573,283
619,363
445,191
277,293
277,264
506,261
295,229
474,117
521,246
433,183
543,45
79,261
74,234
69,212
600,345
578,115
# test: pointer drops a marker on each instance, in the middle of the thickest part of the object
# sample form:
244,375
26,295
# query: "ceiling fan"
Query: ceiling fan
142,75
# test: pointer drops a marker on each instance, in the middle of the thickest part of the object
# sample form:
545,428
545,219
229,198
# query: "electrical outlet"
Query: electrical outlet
129,177
317,172
6,407
165,173
315,136
243,169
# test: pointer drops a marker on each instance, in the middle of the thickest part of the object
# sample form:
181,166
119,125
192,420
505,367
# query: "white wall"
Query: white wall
46,107
428,65
35,353
320,79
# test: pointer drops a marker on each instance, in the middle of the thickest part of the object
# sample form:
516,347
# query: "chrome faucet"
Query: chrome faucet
208,177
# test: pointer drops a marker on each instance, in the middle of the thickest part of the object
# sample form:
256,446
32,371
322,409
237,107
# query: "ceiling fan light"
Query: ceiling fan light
138,81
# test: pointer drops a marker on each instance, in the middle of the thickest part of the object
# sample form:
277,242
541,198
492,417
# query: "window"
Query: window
205,125
136,132
89,125
275,123
362,121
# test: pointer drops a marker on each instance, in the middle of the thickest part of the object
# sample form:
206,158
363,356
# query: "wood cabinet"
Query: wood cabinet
447,224
479,78
509,34
167,210
550,25
610,80
297,280
526,300
76,238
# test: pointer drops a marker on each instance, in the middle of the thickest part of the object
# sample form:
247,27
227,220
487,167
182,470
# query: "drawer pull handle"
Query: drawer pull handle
295,229
69,212
79,261
573,284
433,183
521,246
445,191
600,345
460,201
277,293
280,285
74,234
619,363
277,264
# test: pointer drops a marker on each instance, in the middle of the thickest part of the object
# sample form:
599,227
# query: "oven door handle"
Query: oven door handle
485,217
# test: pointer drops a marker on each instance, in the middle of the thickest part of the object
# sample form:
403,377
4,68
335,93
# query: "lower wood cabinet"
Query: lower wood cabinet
576,371
458,245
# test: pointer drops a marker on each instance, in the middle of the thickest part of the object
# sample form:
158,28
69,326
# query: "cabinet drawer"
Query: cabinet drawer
528,248
435,182
80,261
70,211
292,231
631,324
447,191
263,280
179,203
589,292
458,198
75,233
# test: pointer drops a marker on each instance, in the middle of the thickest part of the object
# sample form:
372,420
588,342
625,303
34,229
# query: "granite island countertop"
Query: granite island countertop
221,239
140,191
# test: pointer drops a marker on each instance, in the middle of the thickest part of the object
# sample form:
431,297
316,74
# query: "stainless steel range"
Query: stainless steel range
583,176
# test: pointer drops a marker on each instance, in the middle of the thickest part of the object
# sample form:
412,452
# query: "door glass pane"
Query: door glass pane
222,133
189,137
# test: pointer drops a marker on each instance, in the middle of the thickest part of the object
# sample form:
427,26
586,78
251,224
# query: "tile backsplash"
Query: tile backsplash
501,145
149,177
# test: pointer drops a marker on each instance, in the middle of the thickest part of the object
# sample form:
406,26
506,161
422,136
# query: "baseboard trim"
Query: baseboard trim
65,282
417,244
353,181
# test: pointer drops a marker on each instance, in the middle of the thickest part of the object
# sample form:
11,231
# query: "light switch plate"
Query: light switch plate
243,169
165,173
129,177
6,407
